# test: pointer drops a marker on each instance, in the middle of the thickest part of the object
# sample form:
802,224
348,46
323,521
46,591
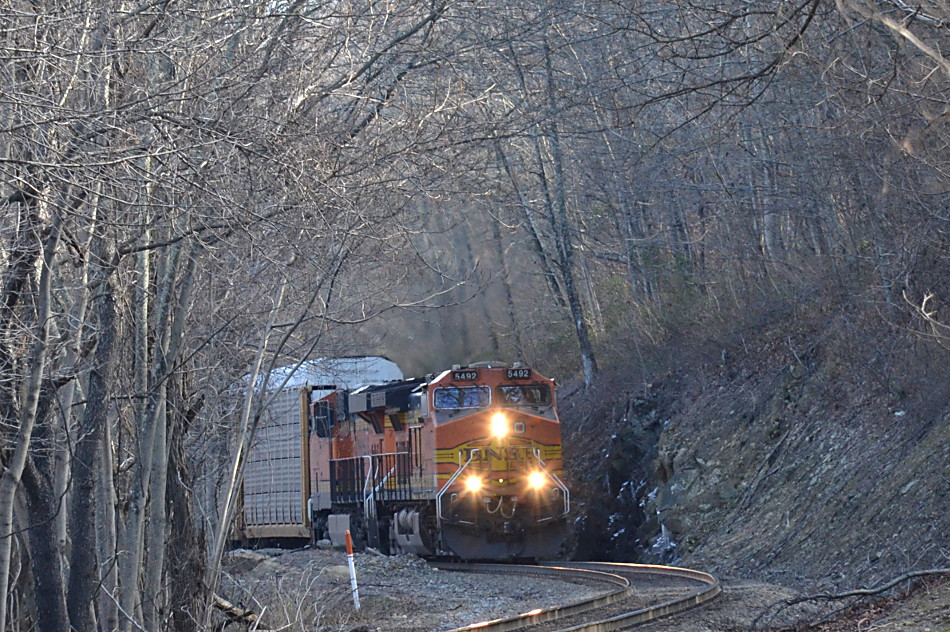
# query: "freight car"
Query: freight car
464,463
276,489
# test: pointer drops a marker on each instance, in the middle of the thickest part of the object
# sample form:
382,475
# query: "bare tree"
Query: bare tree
157,151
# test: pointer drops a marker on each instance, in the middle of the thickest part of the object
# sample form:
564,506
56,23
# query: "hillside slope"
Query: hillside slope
791,455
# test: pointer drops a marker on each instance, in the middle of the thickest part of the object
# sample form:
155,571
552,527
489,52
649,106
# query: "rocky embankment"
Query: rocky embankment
777,460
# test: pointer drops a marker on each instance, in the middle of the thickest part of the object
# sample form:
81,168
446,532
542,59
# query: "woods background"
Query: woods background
191,194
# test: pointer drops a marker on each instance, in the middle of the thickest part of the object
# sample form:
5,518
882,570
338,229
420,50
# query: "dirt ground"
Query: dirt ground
310,590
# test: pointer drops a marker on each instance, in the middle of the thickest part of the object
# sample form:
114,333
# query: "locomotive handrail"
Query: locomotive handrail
389,474
371,487
565,492
448,484
369,494
384,479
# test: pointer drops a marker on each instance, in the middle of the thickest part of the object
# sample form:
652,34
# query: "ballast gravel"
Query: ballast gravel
309,590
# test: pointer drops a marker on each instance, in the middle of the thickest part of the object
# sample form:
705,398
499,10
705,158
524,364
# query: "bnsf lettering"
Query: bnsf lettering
511,453
464,376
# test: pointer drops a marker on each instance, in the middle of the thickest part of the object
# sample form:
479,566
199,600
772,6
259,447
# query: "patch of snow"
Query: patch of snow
664,547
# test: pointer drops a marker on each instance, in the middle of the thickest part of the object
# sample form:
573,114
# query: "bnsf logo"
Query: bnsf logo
511,453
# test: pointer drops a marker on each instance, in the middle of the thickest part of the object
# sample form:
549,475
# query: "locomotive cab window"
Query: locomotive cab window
456,397
524,395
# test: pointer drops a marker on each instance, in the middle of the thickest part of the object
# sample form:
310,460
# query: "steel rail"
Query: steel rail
553,613
711,589
600,571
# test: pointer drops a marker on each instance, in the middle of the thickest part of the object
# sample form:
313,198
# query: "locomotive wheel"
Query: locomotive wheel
412,530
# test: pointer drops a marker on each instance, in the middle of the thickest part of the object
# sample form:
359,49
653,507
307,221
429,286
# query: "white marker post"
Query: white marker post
349,561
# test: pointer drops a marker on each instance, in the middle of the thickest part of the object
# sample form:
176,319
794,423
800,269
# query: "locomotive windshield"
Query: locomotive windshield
524,395
456,397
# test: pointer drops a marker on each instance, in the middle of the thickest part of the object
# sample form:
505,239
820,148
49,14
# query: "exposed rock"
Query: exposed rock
777,468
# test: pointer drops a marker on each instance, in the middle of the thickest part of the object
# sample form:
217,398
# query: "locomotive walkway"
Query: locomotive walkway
638,593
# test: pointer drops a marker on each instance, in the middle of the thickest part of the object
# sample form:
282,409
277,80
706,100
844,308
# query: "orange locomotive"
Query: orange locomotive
465,463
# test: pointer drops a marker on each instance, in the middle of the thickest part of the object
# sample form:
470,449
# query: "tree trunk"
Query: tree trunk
43,505
155,545
170,315
641,282
760,196
106,537
531,223
506,286
563,233
26,414
245,434
83,573
184,571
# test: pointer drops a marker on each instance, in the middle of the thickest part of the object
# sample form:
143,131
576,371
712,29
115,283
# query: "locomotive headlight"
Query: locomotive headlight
537,480
473,483
499,425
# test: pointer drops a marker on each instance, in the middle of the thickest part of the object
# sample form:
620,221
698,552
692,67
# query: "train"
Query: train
465,463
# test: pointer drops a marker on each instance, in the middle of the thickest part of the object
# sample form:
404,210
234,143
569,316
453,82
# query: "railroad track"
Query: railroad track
637,593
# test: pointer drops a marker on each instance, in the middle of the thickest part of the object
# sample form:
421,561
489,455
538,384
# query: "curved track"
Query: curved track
637,593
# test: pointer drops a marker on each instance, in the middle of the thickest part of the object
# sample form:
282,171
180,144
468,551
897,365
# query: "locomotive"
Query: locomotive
464,463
